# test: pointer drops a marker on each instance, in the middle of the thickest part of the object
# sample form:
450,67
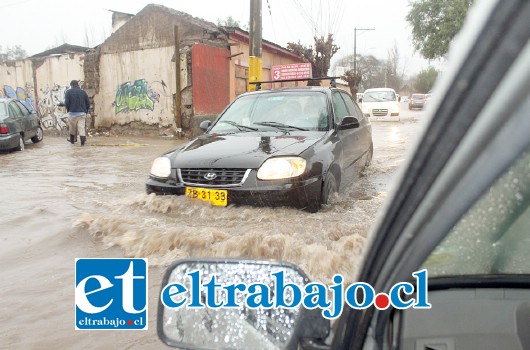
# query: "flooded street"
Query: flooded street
61,202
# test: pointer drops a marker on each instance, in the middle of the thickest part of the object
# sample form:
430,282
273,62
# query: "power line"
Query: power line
272,22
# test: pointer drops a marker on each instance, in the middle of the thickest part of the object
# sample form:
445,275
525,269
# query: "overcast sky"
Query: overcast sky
38,25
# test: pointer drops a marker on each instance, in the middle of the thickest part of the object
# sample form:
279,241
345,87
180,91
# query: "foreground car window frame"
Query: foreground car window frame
469,95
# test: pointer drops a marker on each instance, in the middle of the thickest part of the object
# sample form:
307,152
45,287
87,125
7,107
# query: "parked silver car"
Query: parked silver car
17,125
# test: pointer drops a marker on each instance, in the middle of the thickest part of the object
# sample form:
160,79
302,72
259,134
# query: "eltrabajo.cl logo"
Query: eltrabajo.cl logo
111,294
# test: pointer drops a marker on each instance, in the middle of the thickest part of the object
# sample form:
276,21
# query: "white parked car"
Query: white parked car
381,104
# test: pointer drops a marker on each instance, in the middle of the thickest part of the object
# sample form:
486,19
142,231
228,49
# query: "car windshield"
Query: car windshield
275,110
378,96
492,238
418,97
3,109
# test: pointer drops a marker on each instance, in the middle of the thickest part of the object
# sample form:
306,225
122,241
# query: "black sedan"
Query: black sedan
17,124
287,147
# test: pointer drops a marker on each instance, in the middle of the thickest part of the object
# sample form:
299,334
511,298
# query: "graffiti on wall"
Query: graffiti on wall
20,94
52,116
135,96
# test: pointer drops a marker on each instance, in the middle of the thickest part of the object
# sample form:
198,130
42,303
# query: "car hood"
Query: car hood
379,105
241,150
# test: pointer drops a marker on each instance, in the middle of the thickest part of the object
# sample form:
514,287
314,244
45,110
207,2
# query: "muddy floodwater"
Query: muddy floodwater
61,202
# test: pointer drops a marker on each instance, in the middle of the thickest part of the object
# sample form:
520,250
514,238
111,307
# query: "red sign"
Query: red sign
291,71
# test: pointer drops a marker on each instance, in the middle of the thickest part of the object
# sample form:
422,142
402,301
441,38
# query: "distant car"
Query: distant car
287,147
404,99
417,101
427,98
381,104
17,125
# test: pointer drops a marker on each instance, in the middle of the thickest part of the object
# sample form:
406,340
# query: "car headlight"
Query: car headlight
161,167
281,168
366,110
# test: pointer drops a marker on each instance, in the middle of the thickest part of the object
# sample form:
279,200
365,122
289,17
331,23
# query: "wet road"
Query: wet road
60,202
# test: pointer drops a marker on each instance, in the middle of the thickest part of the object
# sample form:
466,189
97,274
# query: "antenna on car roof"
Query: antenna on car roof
333,81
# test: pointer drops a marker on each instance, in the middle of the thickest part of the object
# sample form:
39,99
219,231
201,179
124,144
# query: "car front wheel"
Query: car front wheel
38,137
328,188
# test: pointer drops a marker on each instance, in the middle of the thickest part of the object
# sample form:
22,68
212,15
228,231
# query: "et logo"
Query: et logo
111,294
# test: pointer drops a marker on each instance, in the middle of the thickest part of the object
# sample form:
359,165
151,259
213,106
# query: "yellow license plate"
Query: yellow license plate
216,197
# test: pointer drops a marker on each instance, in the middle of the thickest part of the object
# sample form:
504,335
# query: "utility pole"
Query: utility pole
355,47
254,60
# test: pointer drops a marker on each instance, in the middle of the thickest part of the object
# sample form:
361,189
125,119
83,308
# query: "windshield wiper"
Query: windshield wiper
239,126
280,125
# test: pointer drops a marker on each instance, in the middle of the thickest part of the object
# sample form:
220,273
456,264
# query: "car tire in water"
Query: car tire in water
369,156
328,188
20,146
39,136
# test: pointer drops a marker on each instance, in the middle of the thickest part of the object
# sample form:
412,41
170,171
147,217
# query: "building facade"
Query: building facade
161,70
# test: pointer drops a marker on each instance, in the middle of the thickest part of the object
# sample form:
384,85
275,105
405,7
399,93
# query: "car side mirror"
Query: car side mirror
349,122
205,125
226,304
361,100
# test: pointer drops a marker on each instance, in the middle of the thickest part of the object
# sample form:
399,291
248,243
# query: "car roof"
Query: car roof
296,89
380,89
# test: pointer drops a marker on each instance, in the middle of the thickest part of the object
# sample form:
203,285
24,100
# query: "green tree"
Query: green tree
435,23
12,53
425,80
319,56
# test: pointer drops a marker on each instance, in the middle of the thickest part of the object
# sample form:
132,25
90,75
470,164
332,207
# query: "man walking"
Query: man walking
77,105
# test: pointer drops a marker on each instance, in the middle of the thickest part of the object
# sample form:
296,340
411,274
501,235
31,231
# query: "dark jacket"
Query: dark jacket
76,100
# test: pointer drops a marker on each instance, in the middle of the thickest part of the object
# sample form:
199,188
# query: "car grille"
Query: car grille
213,177
379,112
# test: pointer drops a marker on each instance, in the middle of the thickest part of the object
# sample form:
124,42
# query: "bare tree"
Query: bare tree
319,56
353,80
391,76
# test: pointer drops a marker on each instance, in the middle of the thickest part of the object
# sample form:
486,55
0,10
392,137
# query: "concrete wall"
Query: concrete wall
40,84
17,73
138,86
154,26
131,78
16,81
52,76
